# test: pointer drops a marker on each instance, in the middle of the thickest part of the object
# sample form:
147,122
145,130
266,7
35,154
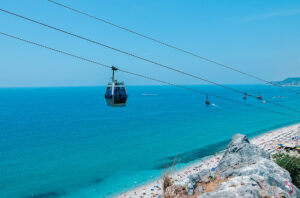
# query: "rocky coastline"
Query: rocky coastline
244,171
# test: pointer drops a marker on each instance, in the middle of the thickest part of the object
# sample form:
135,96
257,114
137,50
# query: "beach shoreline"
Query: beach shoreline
267,141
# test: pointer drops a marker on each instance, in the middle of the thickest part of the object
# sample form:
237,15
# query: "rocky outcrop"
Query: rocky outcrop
240,151
244,171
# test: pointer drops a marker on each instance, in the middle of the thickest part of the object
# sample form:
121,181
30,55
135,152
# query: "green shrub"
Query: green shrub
291,164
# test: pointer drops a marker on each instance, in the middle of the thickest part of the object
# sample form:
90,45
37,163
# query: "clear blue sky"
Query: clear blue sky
259,37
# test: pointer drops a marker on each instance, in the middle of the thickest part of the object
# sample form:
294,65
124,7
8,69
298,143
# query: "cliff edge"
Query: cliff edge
244,171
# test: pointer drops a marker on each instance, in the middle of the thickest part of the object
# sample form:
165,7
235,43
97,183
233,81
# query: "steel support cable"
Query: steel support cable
143,76
174,47
138,57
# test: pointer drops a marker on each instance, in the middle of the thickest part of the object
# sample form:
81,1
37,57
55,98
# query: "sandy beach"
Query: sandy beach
266,141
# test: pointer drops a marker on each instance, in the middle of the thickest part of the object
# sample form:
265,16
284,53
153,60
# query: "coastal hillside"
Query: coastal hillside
289,82
245,170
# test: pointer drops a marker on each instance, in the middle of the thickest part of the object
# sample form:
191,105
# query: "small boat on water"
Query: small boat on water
145,94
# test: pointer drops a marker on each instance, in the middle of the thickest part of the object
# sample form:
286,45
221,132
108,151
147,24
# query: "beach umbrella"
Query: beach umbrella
295,138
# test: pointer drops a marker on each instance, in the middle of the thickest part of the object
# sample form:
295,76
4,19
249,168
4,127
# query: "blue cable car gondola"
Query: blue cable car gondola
116,95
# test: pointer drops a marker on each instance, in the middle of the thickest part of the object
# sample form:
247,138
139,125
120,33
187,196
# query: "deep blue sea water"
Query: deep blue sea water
65,142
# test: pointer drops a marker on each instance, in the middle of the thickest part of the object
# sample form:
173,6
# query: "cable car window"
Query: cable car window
108,93
120,95
117,92
117,96
123,93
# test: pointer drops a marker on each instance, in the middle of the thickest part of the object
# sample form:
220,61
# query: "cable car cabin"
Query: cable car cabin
259,97
207,102
245,96
116,94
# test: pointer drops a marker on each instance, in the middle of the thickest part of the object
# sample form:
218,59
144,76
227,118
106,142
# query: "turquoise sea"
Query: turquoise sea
65,142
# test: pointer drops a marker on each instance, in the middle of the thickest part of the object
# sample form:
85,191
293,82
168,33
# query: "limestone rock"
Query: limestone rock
249,172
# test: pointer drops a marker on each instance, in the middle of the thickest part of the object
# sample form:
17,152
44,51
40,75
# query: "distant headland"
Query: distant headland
289,82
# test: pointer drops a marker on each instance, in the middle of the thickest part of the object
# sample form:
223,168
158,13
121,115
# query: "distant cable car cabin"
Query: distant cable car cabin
207,102
245,96
115,95
259,97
